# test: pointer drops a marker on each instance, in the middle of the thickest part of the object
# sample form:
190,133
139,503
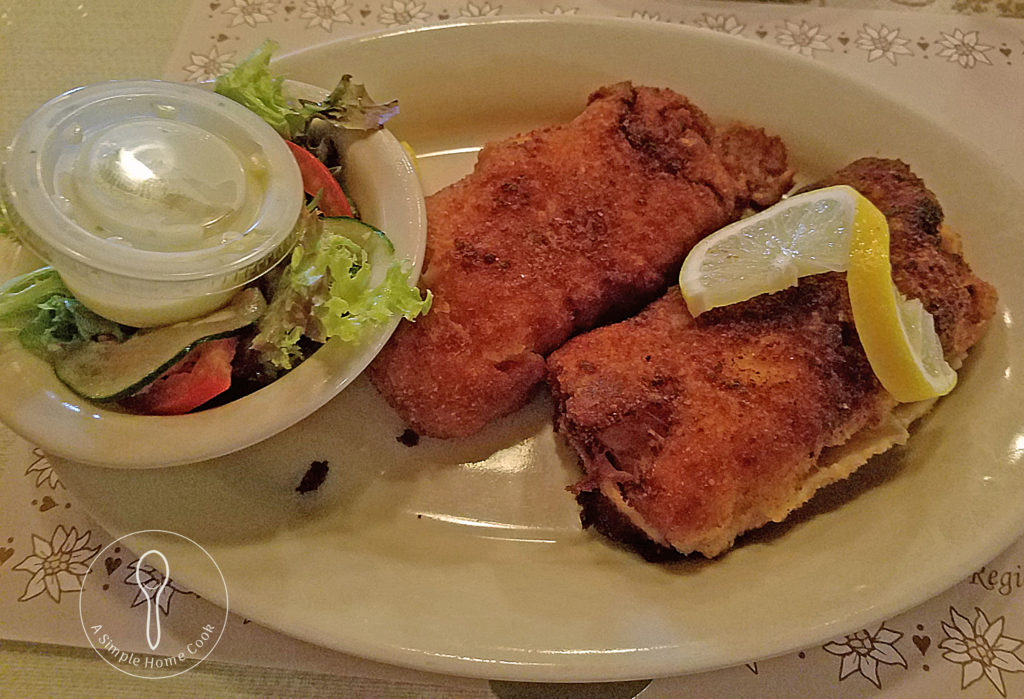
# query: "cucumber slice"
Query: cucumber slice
108,371
359,231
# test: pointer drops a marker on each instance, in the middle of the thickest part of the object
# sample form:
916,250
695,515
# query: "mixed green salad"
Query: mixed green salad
322,291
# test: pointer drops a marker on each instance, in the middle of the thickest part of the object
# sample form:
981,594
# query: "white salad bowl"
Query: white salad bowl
383,181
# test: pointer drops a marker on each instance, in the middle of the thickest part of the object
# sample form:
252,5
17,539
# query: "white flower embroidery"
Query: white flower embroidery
963,48
559,10
862,652
981,648
726,24
251,12
803,38
882,42
325,13
402,12
209,66
43,471
57,565
471,9
151,578
644,14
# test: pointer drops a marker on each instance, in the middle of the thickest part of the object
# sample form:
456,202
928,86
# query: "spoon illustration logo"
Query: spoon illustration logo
153,602
174,643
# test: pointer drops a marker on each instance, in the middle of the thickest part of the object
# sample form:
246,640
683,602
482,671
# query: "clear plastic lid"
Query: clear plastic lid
153,188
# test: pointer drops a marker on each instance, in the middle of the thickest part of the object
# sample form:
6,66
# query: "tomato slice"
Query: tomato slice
317,179
199,376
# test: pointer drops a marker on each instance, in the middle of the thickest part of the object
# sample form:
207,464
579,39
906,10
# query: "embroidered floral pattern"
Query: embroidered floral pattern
861,652
882,42
803,38
325,13
472,9
209,65
981,648
403,12
559,10
43,471
879,42
250,12
963,48
151,579
57,565
726,24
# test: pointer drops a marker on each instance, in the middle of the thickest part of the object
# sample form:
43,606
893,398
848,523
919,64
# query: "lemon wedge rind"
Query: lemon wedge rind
897,334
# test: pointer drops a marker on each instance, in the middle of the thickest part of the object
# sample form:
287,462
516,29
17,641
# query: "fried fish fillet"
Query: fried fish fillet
555,231
693,431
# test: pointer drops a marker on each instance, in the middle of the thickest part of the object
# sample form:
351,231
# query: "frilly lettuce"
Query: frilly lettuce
20,297
350,105
324,292
252,84
46,317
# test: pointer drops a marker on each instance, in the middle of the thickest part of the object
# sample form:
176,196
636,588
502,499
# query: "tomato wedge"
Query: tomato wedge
317,179
199,376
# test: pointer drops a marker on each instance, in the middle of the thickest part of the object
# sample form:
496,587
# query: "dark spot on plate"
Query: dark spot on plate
409,438
314,477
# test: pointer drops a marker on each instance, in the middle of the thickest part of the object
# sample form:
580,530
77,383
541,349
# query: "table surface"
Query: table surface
49,46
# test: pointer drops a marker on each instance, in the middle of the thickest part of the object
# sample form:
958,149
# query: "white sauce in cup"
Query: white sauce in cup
155,201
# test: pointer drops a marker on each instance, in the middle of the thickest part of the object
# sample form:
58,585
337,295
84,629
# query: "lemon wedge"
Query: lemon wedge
898,334
805,234
830,229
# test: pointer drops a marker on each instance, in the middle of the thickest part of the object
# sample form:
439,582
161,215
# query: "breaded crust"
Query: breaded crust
694,431
556,231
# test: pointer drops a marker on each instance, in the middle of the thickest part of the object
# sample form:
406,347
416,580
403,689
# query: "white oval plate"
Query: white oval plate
467,557
36,405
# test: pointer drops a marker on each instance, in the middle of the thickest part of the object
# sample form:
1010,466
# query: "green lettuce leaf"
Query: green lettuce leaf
20,297
350,106
325,292
252,84
46,318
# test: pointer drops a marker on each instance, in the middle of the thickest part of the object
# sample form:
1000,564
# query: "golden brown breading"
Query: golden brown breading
555,231
692,431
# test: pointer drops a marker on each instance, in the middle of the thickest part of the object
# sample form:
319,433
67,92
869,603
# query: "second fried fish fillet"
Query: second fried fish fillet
555,231
693,431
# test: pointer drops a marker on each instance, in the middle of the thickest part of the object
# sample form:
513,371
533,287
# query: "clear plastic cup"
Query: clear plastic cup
155,201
